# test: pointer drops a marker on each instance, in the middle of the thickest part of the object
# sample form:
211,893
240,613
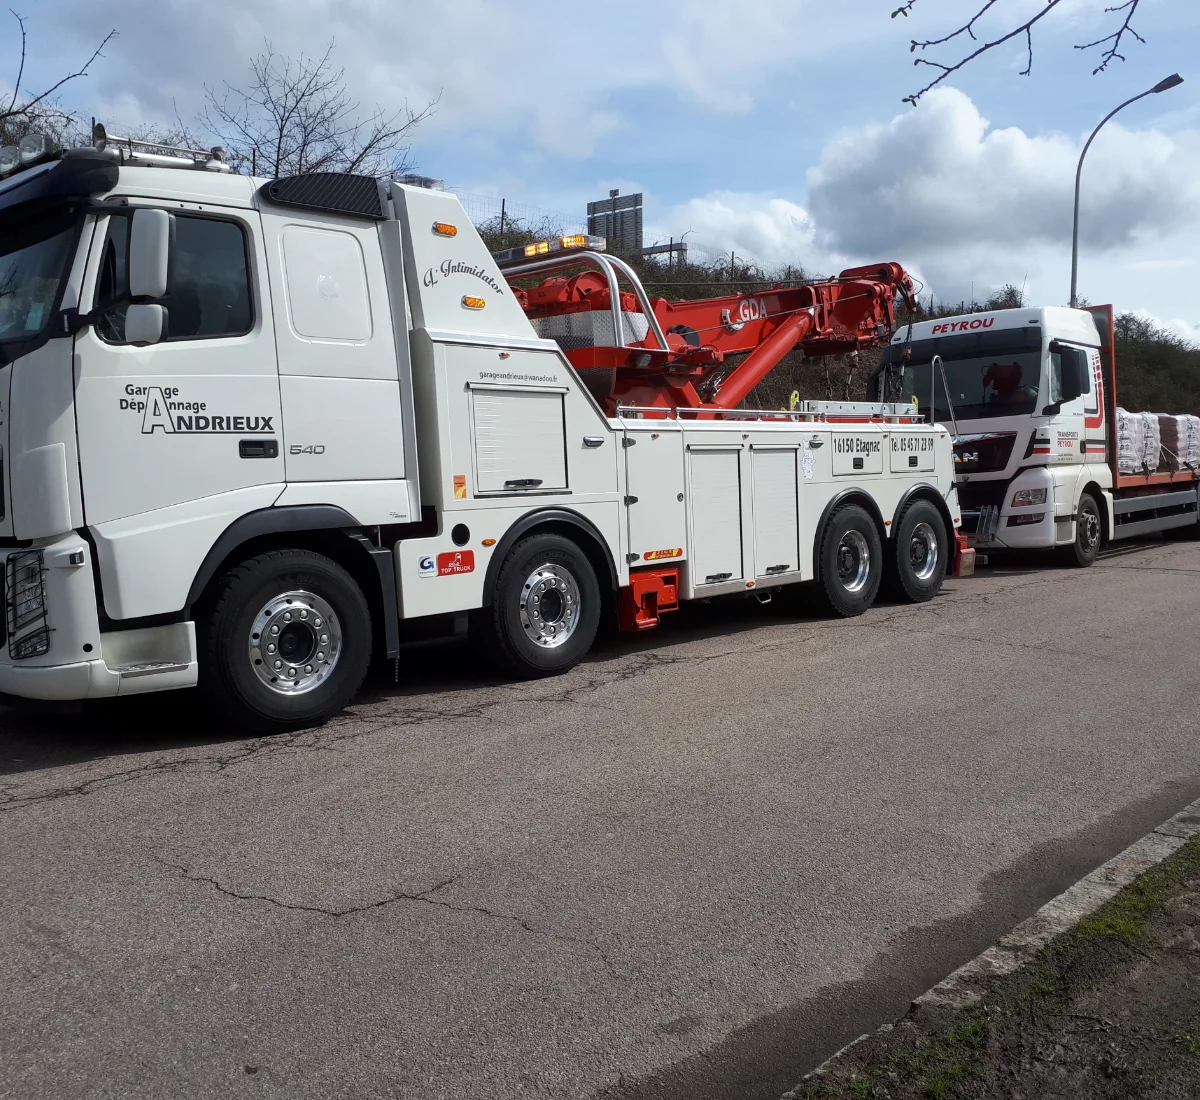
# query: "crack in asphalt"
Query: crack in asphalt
423,897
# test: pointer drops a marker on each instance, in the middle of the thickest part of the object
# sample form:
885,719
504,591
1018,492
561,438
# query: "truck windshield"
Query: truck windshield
990,374
33,263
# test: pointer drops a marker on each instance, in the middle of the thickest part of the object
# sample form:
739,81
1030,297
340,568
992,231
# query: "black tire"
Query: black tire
850,562
545,612
918,554
1089,531
250,614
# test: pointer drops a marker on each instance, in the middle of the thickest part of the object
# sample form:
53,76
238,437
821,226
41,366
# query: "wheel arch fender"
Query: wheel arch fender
1104,503
926,491
846,496
562,521
325,528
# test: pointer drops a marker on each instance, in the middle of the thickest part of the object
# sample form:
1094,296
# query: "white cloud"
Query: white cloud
938,178
1184,329
967,208
537,68
772,231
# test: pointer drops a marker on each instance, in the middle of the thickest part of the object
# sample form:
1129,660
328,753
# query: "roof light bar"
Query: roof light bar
534,249
157,155
33,148
36,147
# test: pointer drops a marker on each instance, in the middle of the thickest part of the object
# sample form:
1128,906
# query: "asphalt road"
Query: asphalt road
693,867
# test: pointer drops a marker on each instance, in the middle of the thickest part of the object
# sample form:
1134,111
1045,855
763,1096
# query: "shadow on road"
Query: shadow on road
37,736
34,739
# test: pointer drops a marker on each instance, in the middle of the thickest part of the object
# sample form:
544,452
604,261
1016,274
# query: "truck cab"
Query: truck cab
1031,396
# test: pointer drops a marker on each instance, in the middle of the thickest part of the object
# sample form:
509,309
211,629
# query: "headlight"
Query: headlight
1025,498
28,631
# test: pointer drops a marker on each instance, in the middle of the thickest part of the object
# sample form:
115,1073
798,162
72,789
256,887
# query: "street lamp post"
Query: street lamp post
1172,81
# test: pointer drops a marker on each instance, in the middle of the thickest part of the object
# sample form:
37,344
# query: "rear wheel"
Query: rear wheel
919,554
850,561
287,644
1088,530
545,612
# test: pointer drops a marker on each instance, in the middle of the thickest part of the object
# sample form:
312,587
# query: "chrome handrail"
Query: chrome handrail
609,265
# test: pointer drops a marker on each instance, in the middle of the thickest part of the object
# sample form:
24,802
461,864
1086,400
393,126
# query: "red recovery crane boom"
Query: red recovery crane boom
636,352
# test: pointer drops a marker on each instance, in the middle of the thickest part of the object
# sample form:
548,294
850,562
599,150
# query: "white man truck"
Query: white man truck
1031,396
254,430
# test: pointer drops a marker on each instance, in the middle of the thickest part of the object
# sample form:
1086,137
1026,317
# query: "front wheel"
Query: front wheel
1082,552
545,612
287,643
851,562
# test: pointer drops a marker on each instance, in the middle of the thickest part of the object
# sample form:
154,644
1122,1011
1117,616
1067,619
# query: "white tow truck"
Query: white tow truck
1032,397
255,431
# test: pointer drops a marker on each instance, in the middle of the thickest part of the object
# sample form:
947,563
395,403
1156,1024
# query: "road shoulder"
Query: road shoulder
1093,996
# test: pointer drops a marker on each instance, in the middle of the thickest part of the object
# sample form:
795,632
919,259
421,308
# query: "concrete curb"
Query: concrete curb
966,985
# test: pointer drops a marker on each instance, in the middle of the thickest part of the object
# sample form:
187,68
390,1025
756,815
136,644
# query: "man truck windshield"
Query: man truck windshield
33,264
990,374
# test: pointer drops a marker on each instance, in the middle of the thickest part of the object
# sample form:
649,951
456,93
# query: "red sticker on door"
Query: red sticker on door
455,562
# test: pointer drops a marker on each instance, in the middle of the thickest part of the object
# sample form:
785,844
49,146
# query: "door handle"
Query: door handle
523,483
593,441
258,448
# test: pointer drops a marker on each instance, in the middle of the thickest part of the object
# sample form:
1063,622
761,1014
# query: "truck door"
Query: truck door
654,506
197,415
338,366
1071,372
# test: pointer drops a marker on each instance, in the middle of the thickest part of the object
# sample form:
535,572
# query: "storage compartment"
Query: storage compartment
855,453
519,438
654,504
716,500
776,535
914,453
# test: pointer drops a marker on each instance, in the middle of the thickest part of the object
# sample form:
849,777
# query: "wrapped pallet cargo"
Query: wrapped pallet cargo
1131,442
1191,459
1152,454
1173,434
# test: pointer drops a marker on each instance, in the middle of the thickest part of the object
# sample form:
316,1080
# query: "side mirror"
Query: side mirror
145,324
149,253
1072,364
1072,375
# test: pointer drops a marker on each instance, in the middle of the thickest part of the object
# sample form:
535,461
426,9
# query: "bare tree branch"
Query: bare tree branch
26,111
1023,31
28,105
21,67
1130,7
295,116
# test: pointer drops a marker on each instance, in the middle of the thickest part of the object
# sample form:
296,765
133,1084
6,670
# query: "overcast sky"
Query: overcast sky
773,127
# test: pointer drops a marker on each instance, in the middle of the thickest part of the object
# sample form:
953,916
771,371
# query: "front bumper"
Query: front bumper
73,659
997,525
81,680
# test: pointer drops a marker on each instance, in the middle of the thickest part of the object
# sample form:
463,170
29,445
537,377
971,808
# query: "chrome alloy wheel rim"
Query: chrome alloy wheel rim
295,642
923,552
1089,529
550,605
853,561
